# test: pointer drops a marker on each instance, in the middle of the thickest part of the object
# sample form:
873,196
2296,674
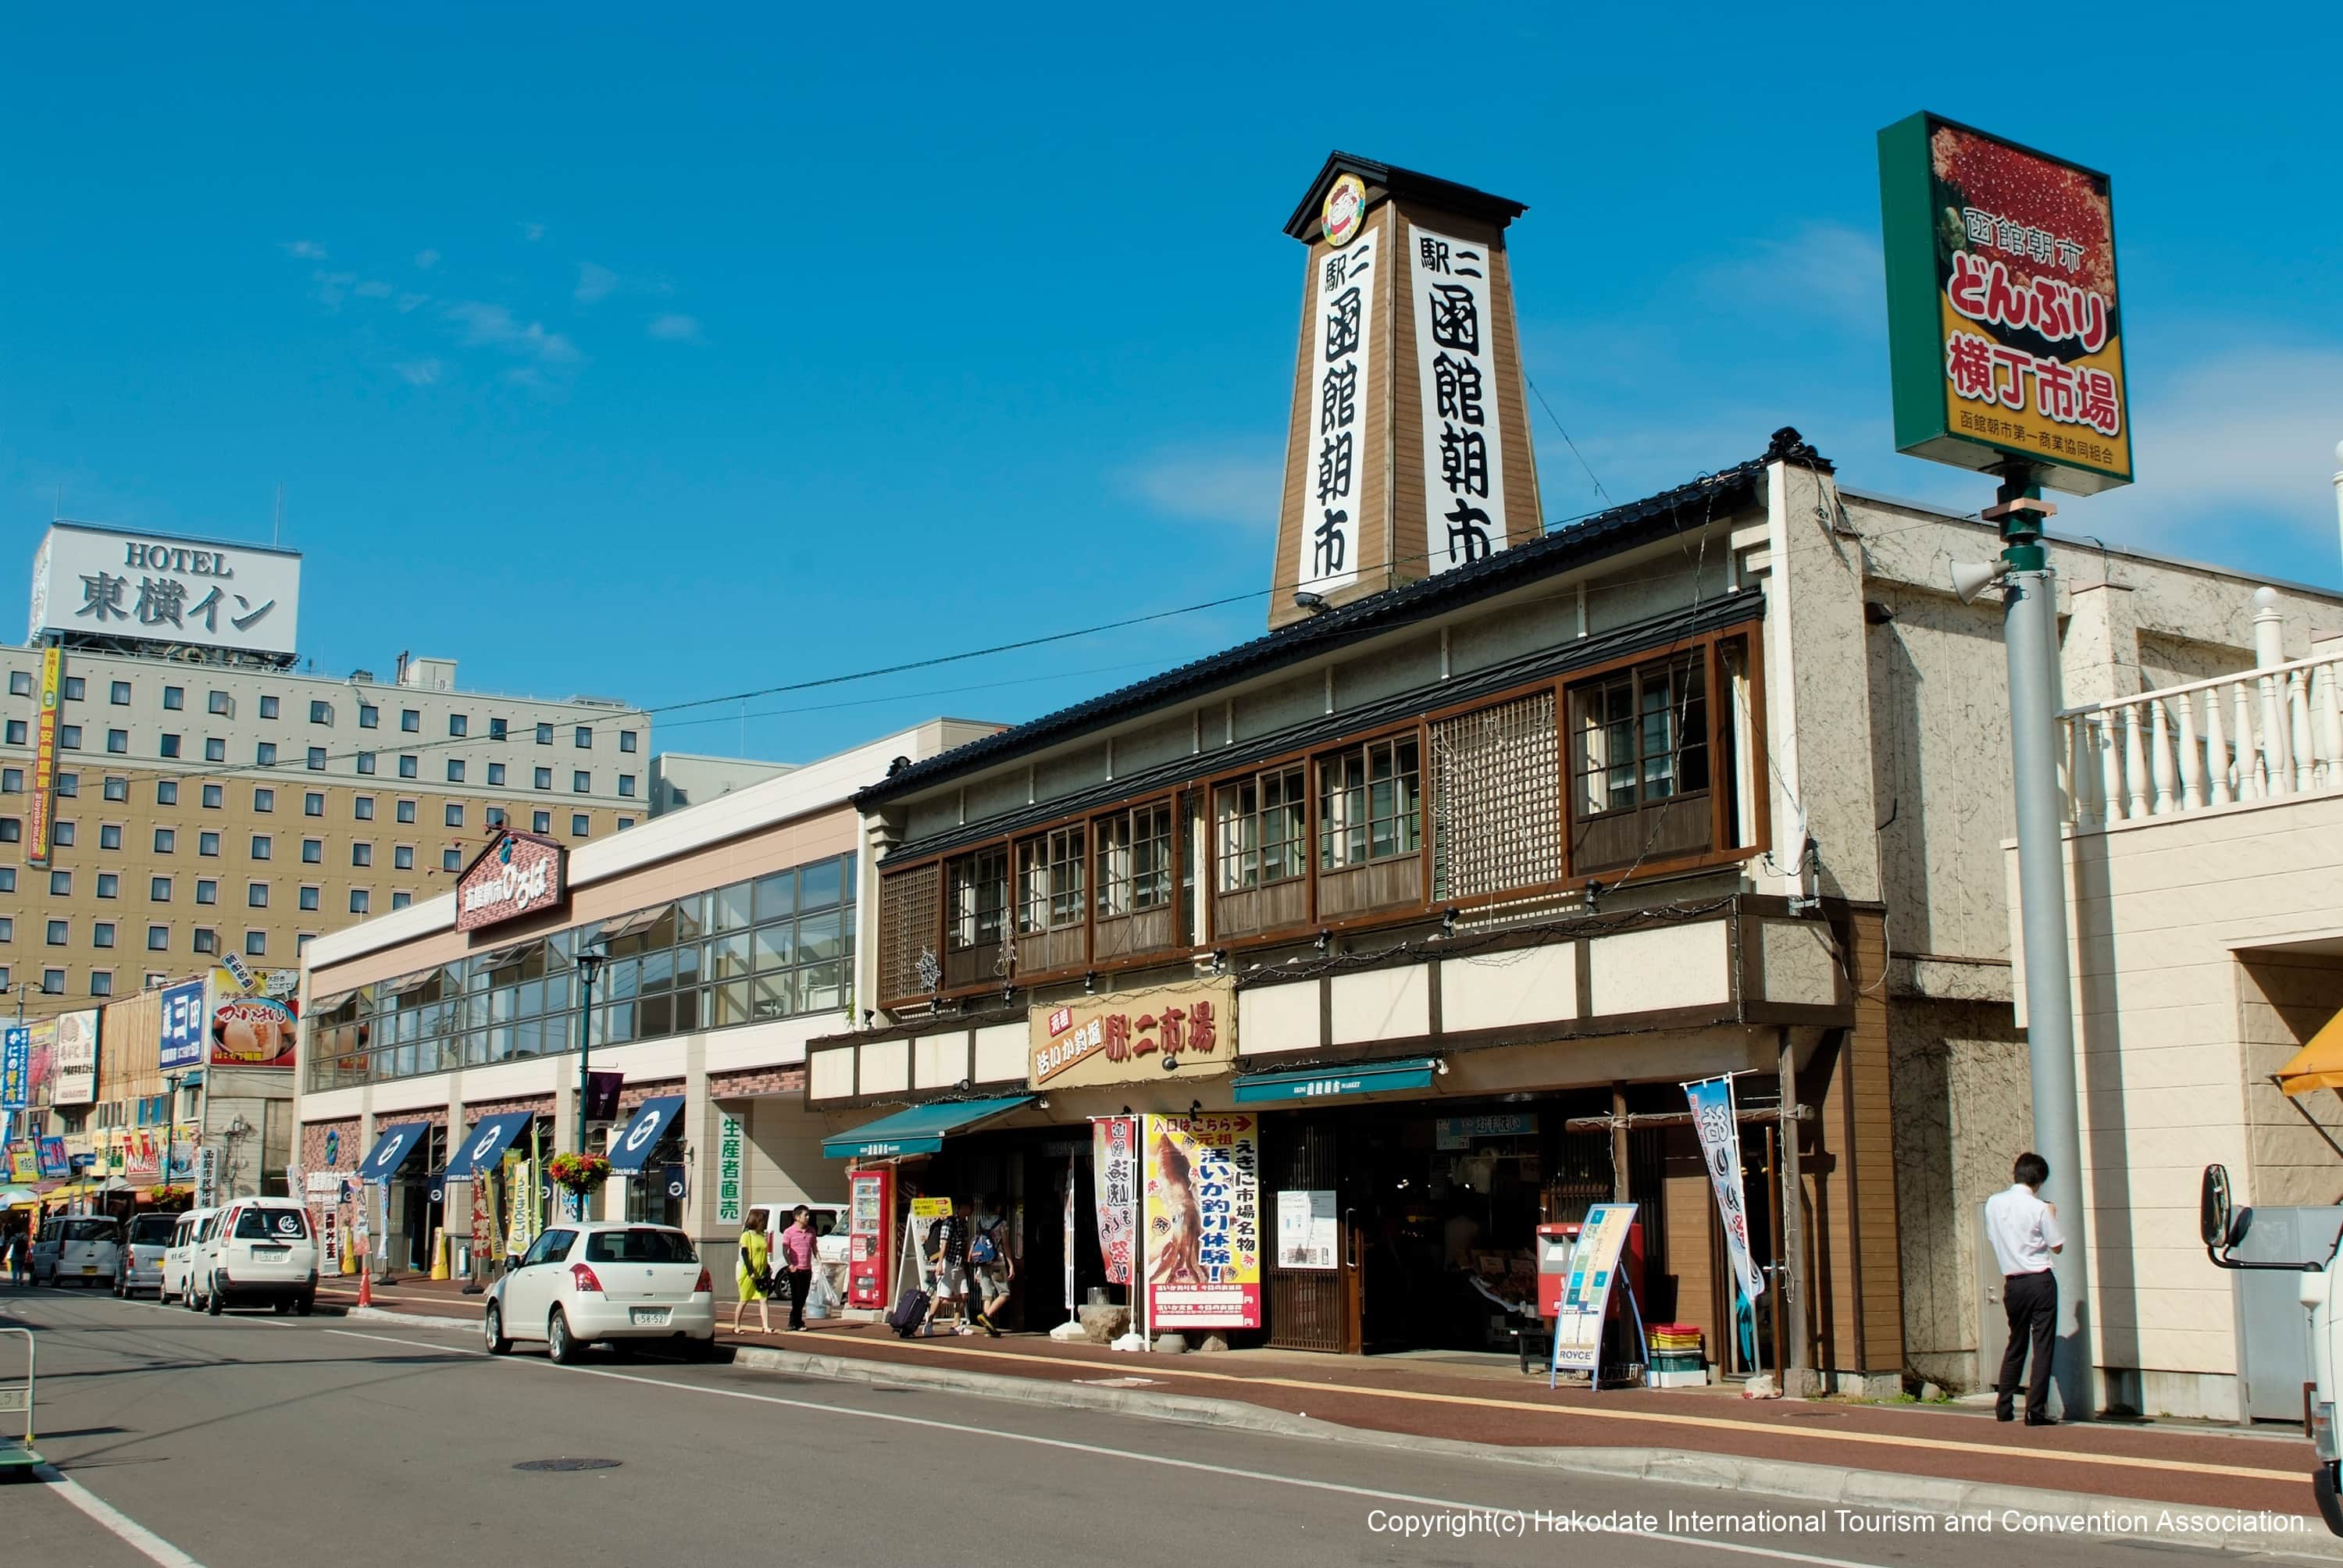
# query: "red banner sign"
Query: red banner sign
519,874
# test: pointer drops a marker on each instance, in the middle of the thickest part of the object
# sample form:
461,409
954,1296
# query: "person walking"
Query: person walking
796,1252
991,1269
754,1272
18,1245
2026,1238
947,1250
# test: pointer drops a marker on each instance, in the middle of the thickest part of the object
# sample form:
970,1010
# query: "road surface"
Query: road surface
180,1439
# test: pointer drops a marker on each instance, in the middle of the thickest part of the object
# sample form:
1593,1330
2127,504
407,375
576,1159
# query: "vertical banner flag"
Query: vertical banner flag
1341,328
727,1171
43,807
1114,1165
1069,1217
1714,1119
1586,1297
2004,328
183,1026
1463,466
16,1067
1203,1221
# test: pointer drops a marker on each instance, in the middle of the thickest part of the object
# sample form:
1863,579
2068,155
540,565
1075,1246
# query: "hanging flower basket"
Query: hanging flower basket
578,1174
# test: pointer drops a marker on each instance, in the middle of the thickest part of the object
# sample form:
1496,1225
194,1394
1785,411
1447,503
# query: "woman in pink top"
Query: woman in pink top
797,1250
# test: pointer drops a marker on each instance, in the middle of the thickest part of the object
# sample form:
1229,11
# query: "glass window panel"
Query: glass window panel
504,1004
818,937
621,979
774,947
656,1014
691,916
690,1010
774,996
732,906
731,1004
820,884
821,987
688,964
729,956
777,895
658,971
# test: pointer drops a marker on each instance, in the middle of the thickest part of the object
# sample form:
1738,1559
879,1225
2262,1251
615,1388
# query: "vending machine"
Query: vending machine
870,1222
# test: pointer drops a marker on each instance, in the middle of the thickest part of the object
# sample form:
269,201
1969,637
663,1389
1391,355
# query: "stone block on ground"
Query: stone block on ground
1105,1325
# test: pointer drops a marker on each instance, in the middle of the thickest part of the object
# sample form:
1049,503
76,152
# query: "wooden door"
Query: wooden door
1312,1309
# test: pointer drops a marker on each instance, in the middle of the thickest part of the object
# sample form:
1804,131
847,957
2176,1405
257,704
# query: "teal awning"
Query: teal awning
921,1130
1337,1082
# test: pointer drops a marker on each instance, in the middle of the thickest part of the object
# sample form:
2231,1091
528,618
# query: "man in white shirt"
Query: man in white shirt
2025,1236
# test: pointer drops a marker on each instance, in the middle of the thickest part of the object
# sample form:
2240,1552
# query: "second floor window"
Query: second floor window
1639,761
1370,807
1258,830
1134,860
1049,882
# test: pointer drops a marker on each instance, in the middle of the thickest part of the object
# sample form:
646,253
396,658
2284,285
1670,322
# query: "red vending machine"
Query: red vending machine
869,1225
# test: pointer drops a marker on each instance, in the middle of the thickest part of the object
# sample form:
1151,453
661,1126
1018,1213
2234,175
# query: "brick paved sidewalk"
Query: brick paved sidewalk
1491,1401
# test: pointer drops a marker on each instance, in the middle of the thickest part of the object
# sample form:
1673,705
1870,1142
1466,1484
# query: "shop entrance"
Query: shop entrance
1025,1175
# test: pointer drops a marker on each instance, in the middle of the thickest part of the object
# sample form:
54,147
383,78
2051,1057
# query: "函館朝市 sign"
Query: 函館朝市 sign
519,874
2004,330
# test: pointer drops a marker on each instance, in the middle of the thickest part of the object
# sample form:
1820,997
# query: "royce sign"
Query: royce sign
519,874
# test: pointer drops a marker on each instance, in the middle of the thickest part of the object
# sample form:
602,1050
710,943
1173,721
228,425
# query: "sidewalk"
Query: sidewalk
1491,1403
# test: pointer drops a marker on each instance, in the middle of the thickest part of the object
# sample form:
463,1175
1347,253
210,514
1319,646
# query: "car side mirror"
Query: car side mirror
2216,1213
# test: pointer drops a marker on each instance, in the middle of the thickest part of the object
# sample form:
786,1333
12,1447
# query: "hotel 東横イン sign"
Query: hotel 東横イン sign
2004,325
517,875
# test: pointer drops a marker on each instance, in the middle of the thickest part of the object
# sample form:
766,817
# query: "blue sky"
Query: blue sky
664,357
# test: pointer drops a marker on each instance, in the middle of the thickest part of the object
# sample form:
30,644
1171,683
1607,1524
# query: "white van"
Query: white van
140,1265
81,1249
261,1249
179,1257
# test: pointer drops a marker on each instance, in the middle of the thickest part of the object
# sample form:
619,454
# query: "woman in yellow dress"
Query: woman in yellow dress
755,1259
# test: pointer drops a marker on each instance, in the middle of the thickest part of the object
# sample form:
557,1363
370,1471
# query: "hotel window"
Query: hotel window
117,788
16,732
497,729
455,814
458,725
402,857
101,934
175,698
20,683
260,847
1639,750
207,941
496,816
626,740
406,812
158,890
369,716
61,883
57,933
7,879
166,841
361,854
545,735
312,804
120,694
410,720
585,736
215,797
54,981
214,750
117,740
308,898
69,736
362,808
399,900
365,763
207,843
454,770
255,895
540,822
75,688
217,702
451,859
321,712
207,891
109,836
7,928
496,774
62,834
255,944
264,799
407,769
12,831
545,779
581,782
358,900
625,823
578,826
317,760
101,982
158,939
264,753
109,885
313,851
69,783
269,707
12,780
626,785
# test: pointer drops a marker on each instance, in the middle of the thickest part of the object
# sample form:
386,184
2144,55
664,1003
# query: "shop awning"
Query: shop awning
391,1150
1337,1082
630,1149
484,1142
921,1130
2317,1065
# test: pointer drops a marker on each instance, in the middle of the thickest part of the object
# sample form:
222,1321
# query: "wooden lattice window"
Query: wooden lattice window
1368,805
1640,765
1134,860
909,915
1496,799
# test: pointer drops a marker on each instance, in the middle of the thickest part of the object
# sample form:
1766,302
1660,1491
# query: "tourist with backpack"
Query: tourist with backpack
991,1268
947,1253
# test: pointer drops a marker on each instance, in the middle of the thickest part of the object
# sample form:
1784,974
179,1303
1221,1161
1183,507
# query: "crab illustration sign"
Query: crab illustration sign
519,874
2005,331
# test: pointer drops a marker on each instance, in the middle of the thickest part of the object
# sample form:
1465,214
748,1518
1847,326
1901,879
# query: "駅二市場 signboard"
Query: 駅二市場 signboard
2003,326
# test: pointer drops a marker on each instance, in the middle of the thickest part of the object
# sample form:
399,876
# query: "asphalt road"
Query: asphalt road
181,1438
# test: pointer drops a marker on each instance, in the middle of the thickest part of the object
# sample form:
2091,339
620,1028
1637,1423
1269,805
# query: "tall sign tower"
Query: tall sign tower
1408,453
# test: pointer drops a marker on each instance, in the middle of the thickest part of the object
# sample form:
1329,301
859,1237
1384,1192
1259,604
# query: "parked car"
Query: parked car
178,1258
196,1267
82,1250
140,1266
583,1283
262,1250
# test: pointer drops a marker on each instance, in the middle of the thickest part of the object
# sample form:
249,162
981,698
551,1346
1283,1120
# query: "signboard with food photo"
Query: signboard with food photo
249,1029
2005,326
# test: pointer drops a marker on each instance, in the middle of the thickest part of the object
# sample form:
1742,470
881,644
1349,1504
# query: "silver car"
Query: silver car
140,1264
80,1250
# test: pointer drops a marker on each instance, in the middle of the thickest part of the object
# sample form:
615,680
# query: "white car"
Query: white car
261,1250
602,1280
82,1250
140,1265
179,1257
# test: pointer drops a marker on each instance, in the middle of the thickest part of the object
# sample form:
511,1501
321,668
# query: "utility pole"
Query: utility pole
1796,1377
2030,634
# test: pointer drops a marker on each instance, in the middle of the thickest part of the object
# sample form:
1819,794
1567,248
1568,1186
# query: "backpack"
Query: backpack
911,1312
984,1249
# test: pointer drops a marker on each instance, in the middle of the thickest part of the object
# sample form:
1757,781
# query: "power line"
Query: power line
1565,436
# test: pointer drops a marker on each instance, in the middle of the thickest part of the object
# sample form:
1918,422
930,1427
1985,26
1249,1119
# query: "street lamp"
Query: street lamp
589,964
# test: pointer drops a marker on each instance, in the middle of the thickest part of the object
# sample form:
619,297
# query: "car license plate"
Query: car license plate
647,1316
270,1252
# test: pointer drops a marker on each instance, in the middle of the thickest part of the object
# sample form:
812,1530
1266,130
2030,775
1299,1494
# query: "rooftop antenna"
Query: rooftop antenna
277,527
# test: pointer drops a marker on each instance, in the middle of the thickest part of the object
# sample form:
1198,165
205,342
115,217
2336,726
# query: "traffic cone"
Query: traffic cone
366,1287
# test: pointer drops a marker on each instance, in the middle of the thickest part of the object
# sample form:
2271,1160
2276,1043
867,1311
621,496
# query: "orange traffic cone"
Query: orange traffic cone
366,1287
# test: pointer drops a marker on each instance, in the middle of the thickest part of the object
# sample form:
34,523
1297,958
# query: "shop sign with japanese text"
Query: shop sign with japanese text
519,874
1135,1036
1341,328
728,1171
2004,321
98,581
1114,1167
42,809
1455,351
1203,1221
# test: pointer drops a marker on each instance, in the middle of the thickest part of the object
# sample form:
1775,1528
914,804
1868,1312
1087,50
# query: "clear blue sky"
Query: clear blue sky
612,352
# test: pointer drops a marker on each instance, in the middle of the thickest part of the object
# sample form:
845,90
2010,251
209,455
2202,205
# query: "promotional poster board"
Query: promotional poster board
1586,1297
1203,1221
77,1057
16,1067
1114,1165
1306,1232
181,1046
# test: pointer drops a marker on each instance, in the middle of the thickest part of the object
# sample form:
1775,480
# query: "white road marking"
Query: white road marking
1157,1462
112,1519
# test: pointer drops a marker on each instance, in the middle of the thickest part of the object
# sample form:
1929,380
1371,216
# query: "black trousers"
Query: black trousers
800,1285
2031,1301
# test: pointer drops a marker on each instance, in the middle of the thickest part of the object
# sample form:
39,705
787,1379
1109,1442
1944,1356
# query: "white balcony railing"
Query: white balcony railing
2259,735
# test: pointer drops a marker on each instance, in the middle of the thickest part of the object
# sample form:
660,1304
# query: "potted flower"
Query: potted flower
578,1174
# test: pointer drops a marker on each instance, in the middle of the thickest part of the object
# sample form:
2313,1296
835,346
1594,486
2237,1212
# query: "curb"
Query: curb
2082,1513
